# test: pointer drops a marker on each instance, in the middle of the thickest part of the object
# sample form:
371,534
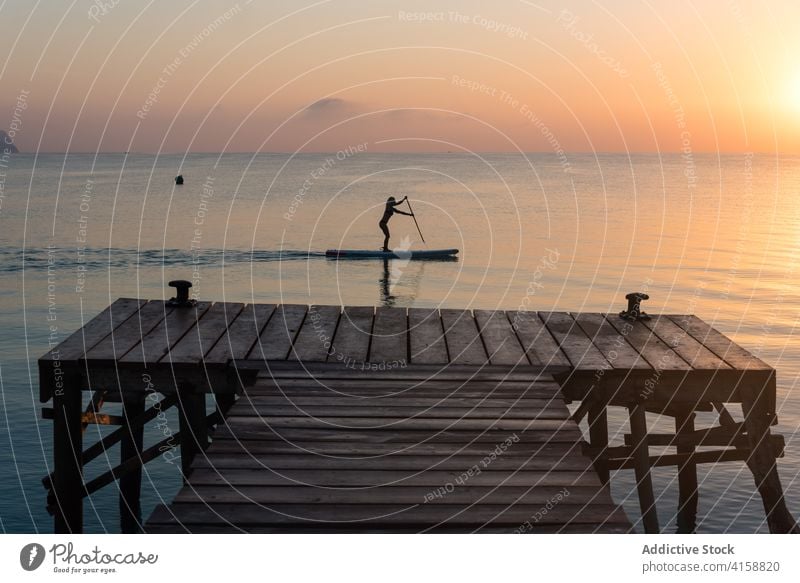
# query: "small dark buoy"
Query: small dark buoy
179,179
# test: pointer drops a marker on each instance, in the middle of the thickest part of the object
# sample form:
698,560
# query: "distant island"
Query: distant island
7,144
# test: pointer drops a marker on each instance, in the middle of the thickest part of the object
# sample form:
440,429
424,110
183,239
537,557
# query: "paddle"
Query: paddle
413,216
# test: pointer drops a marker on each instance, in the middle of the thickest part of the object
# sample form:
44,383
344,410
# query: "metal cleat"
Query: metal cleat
634,311
181,300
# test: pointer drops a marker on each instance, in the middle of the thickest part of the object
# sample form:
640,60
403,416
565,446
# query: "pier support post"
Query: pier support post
598,435
68,488
130,484
192,423
641,460
687,476
224,402
758,416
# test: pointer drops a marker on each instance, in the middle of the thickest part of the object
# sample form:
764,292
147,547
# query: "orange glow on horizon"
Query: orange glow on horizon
413,76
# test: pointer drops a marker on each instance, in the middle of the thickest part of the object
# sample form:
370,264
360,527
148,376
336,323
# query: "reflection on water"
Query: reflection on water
400,281
387,285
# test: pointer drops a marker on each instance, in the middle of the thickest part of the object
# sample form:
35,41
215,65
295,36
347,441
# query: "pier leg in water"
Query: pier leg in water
687,477
598,434
192,420
224,402
641,461
130,484
67,453
758,416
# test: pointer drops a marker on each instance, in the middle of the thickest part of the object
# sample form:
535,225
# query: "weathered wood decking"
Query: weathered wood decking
311,454
428,392
155,336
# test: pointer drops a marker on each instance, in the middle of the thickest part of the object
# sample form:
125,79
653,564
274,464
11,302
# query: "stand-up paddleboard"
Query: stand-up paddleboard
396,254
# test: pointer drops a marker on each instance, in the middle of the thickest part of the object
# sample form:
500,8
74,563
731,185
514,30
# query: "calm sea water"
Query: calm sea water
715,236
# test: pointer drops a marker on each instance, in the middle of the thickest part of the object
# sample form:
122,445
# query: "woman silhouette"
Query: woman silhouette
391,205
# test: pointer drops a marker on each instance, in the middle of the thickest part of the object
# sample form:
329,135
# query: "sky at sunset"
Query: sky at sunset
278,76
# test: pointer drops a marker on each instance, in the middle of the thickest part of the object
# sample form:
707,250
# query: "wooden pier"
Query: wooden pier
364,419
314,451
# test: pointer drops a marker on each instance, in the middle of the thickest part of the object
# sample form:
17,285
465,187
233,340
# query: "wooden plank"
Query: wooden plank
411,396
402,374
262,432
389,336
423,391
464,344
276,339
574,342
242,333
736,356
192,348
538,343
278,369
397,495
352,338
477,379
94,331
331,409
166,334
687,347
383,413
397,423
370,395
530,406
532,396
223,462
387,515
82,340
439,383
499,338
313,342
426,334
368,478
392,450
572,527
129,334
657,353
299,446
613,345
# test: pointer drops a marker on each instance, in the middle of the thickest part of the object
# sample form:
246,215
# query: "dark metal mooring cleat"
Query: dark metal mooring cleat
181,300
634,311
